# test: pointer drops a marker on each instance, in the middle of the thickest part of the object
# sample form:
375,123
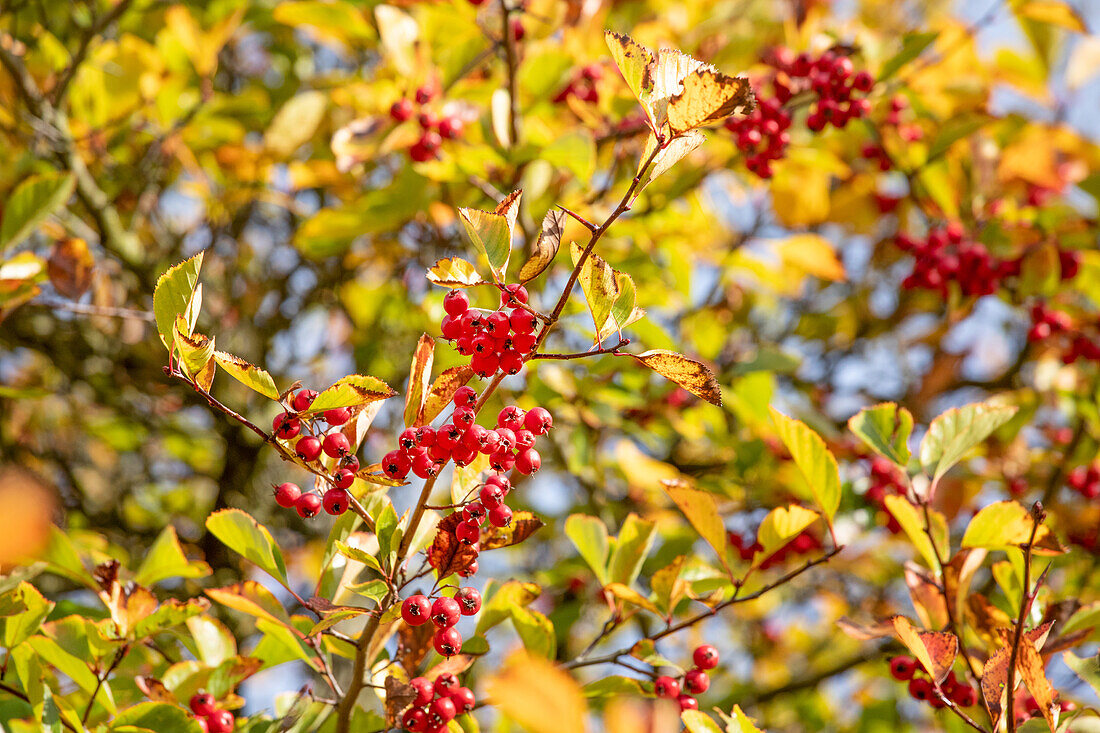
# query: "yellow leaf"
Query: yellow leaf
692,375
812,254
633,597
1053,12
780,526
247,374
538,695
701,509
454,272
635,63
708,96
295,123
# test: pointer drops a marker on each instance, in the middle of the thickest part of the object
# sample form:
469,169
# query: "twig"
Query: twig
85,309
584,222
1037,516
581,354
101,678
511,62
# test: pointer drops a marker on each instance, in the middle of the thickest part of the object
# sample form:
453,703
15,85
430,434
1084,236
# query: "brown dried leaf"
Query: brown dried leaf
70,267
447,555
935,650
692,375
927,598
420,375
546,246
154,689
524,524
994,682
399,695
1031,668
413,644
455,665
442,391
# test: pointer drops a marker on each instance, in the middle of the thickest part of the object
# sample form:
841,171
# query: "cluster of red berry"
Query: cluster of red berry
1047,323
1027,707
886,479
437,703
494,341
804,543
694,682
425,450
210,718
908,669
582,86
311,442
1085,480
947,255
434,129
444,613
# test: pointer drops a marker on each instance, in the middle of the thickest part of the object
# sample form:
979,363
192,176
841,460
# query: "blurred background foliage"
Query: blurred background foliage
260,131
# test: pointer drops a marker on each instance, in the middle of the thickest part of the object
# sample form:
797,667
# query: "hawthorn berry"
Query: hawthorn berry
286,426
666,687
396,465
528,461
902,668
425,690
500,515
500,481
463,455
308,448
463,699
456,303
687,702
465,396
286,495
469,599
204,727
463,418
337,416
308,505
416,610
442,710
425,93
469,571
202,704
468,532
336,445
336,501
524,439
474,512
401,110
220,721
696,681
425,436
446,684
415,720
511,362
451,128
920,689
448,642
705,657
502,460
538,420
514,294
424,467
420,153
491,496
303,399
446,612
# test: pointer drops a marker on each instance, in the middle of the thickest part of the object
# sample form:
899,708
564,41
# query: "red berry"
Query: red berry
474,512
420,153
902,668
448,641
463,699
513,294
497,323
465,397
491,496
511,362
430,141
425,691
469,599
463,417
401,110
523,342
204,727
485,365
425,436
500,515
528,461
521,321
424,467
696,681
456,303
415,720
336,445
451,328
446,684
308,448
666,687
416,610
463,455
511,417
705,657
502,460
920,689
336,501
337,416
343,478
396,465
203,703
538,420
687,702
308,505
286,495
442,710
428,120
524,439
468,571
303,399
425,93
501,481
468,532
286,426
446,612
220,721
451,128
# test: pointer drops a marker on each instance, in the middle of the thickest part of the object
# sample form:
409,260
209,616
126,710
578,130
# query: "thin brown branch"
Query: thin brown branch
581,354
1027,598
508,39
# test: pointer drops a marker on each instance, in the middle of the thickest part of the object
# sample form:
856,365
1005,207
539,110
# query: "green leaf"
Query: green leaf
631,547
295,123
351,391
817,465
156,716
249,375
336,617
953,130
17,628
912,45
165,559
337,21
1001,525
173,295
244,535
511,595
31,202
375,590
387,530
491,232
213,642
701,509
71,666
536,631
912,522
1087,669
614,686
779,527
169,614
358,554
951,435
699,722
589,536
885,429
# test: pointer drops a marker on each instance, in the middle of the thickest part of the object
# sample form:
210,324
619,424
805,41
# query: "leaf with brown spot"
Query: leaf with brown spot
420,375
350,391
635,63
1030,665
708,96
985,618
442,391
935,650
447,555
250,375
454,272
399,695
599,284
69,267
106,574
546,246
413,644
692,375
994,682
524,524
372,475
926,596
154,689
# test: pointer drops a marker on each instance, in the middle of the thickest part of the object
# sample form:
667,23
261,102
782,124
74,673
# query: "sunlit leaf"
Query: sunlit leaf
31,202
538,695
244,535
885,429
454,272
694,376
250,375
814,460
952,434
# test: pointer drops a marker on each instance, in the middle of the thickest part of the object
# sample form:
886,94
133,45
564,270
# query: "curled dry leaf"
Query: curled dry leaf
454,272
413,645
447,555
546,246
442,391
420,375
692,375
935,650
524,524
399,695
